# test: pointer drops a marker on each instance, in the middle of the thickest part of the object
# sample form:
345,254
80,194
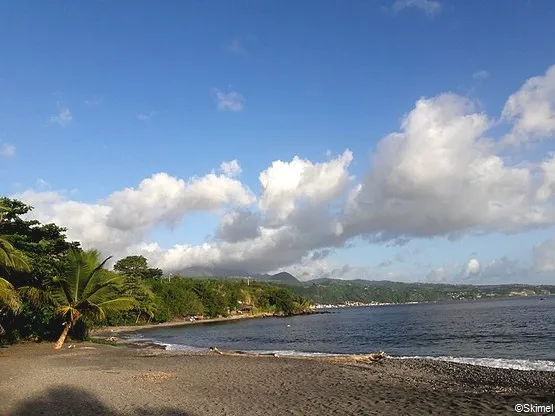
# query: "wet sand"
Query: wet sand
93,379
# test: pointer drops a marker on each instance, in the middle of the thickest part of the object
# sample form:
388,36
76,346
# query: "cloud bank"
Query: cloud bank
439,175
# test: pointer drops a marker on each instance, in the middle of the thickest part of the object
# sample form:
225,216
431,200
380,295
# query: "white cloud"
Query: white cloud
146,117
63,118
231,168
438,176
123,219
531,110
284,185
228,101
165,199
7,150
430,7
479,75
544,256
472,268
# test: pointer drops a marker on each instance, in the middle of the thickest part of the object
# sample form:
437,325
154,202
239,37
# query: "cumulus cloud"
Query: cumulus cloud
228,101
165,199
63,118
7,150
231,168
239,226
531,110
285,185
430,7
472,268
123,219
439,175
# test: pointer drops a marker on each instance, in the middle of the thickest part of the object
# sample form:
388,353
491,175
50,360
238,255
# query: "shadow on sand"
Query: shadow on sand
67,400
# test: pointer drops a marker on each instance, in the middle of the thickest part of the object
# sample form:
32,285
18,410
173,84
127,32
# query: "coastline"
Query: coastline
93,379
108,331
100,331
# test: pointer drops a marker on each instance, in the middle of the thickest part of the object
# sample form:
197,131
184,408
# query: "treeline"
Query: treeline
170,298
50,288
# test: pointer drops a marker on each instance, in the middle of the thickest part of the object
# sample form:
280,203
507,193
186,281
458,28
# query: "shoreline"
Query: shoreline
103,331
93,379
545,366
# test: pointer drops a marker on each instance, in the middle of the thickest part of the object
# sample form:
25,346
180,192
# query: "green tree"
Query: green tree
86,292
43,245
137,267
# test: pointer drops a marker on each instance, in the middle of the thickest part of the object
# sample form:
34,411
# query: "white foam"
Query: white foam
180,347
526,365
291,353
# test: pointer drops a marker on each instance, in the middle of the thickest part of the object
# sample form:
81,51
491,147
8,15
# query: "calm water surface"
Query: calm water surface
516,329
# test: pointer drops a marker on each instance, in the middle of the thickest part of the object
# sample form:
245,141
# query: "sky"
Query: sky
408,140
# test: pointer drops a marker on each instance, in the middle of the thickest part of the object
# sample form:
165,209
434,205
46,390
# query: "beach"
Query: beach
96,379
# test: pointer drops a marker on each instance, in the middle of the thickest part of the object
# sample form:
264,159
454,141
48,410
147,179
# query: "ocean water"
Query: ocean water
513,333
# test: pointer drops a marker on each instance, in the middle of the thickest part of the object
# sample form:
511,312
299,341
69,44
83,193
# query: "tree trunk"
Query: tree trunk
58,345
138,316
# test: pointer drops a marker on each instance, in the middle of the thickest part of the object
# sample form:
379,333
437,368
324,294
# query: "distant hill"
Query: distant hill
224,274
335,291
283,278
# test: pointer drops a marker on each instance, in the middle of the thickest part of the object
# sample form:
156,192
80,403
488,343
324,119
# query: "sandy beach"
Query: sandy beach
94,379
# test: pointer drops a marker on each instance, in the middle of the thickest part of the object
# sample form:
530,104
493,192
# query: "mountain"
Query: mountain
283,278
218,274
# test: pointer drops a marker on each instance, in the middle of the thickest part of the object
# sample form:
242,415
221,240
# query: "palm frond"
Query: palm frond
117,305
11,258
98,278
83,266
9,298
112,285
61,291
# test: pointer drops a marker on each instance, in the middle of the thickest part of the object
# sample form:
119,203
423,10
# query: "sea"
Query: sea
514,333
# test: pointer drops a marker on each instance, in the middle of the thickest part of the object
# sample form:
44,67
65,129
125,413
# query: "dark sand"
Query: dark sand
93,379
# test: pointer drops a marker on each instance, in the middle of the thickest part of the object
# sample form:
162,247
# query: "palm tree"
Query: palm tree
86,291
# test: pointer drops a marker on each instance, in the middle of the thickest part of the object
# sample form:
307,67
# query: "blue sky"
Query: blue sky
97,96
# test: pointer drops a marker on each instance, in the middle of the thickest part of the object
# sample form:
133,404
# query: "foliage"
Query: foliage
337,292
136,267
43,245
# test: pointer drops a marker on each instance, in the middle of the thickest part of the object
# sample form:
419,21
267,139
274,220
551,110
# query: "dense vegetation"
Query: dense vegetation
337,292
50,287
